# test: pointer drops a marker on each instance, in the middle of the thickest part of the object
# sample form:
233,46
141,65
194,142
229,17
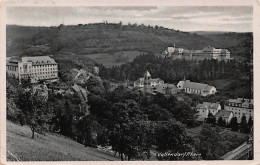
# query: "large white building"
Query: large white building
36,68
196,88
207,52
240,107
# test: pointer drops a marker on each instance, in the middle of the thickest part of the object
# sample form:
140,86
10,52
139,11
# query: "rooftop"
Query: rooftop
208,105
36,60
223,114
194,85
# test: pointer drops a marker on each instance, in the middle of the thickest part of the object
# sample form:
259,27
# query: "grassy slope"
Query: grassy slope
52,147
116,58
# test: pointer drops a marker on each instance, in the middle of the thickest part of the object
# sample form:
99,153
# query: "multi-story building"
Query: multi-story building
36,68
196,88
240,107
208,52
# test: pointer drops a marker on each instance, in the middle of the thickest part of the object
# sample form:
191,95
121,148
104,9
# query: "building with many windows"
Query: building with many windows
240,107
208,52
36,68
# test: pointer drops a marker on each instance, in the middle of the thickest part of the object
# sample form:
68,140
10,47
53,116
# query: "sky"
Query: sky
184,18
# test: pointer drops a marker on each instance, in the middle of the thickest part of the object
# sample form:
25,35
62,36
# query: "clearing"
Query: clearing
115,58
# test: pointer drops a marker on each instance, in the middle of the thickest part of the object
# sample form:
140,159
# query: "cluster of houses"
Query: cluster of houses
154,85
233,108
208,52
157,85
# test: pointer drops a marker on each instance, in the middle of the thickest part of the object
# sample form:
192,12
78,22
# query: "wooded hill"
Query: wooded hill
109,38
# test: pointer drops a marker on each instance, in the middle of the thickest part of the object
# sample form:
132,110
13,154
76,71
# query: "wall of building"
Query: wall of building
239,111
203,113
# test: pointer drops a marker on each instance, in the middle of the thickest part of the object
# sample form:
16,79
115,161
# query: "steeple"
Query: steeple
184,79
147,75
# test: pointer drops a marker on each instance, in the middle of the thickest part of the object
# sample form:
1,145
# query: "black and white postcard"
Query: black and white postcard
139,82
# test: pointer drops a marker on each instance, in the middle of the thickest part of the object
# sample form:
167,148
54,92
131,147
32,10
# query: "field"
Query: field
115,58
51,147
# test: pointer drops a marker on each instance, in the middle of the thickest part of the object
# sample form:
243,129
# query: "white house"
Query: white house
205,108
225,115
196,88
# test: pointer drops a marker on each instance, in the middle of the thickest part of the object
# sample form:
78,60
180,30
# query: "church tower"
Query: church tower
147,77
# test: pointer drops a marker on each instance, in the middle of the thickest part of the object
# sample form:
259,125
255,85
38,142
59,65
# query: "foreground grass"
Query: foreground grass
51,147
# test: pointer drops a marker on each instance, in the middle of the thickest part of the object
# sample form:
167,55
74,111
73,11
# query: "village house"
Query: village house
225,115
205,108
36,68
196,88
240,107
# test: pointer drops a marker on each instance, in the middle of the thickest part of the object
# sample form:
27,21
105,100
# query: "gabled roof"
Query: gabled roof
39,60
208,105
212,105
201,106
223,114
194,85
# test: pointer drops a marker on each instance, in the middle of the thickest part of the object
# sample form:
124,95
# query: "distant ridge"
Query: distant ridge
213,32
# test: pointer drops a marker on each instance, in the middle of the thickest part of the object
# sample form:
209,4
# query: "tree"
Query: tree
221,122
243,125
250,122
66,120
207,143
36,111
233,124
211,119
171,137
87,127
128,136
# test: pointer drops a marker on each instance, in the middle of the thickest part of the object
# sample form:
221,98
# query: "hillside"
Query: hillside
114,43
52,147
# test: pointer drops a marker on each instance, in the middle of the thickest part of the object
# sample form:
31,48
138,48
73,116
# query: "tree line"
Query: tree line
175,70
